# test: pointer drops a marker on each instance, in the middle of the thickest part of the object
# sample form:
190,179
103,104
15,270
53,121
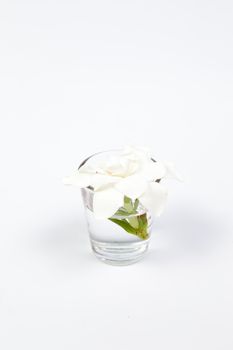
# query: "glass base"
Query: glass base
120,254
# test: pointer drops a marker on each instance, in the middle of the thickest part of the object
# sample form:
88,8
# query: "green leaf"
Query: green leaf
121,212
128,205
140,230
133,220
134,224
124,224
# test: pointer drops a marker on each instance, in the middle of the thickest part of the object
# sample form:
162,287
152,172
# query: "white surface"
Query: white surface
83,76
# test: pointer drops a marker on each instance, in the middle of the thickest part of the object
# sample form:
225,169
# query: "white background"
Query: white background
79,77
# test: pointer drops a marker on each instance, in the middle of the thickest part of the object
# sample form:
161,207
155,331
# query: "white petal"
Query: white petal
171,172
78,179
87,168
99,181
131,166
107,202
135,152
154,199
132,186
113,166
153,171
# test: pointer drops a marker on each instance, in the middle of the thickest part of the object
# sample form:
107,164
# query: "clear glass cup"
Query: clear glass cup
111,242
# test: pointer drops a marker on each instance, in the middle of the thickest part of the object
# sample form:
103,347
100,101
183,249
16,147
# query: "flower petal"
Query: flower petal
153,171
134,153
132,186
87,168
78,179
107,202
99,181
154,199
171,172
112,166
132,167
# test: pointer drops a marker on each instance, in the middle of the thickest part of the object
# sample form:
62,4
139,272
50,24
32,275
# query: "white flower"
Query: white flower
131,173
